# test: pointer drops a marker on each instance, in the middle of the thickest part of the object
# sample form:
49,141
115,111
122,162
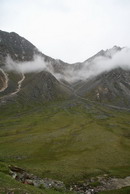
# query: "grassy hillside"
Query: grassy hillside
68,140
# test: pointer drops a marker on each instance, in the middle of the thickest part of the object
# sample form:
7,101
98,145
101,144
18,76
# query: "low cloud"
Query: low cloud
75,72
98,65
38,64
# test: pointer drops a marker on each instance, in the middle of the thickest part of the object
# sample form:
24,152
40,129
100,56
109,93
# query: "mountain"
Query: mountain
38,86
60,80
44,87
17,47
105,53
67,122
109,87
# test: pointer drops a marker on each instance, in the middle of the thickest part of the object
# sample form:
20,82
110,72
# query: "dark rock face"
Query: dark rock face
17,47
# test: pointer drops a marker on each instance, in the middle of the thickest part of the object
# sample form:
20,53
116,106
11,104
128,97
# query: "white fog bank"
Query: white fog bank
86,70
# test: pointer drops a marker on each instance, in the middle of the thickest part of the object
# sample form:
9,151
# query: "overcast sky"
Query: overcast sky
70,30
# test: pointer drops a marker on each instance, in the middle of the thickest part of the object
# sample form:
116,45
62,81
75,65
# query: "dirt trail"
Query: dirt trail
19,85
5,83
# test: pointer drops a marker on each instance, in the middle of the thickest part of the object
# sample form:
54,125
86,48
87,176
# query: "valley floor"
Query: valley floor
65,140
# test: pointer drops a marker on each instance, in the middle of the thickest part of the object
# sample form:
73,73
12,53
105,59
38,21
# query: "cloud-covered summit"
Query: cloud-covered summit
104,61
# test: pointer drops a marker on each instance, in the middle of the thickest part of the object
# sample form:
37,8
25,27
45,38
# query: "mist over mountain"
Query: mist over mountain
104,61
21,70
21,63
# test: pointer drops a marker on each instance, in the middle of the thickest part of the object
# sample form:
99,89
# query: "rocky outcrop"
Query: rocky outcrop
100,183
21,175
89,186
17,47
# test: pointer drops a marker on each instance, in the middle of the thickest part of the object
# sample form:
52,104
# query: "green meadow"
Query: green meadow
64,140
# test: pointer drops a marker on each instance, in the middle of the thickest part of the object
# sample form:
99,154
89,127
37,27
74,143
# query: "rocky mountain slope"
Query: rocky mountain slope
41,86
17,47
61,80
112,88
109,87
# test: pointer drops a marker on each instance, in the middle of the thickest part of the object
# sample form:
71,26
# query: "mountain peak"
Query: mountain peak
16,46
110,52
116,47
